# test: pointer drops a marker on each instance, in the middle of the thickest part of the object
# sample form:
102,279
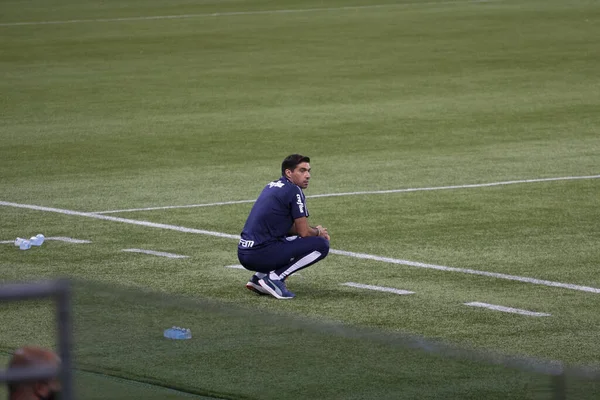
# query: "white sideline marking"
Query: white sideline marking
117,219
475,185
67,239
58,238
507,309
469,186
338,252
466,271
220,203
155,253
236,266
378,288
234,13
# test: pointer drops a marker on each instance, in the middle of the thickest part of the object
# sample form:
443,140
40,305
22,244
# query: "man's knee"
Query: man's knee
323,246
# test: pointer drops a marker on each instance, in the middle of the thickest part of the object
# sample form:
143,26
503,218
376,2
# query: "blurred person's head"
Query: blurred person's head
32,356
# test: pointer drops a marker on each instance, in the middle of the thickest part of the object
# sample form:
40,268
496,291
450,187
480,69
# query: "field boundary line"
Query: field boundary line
333,251
469,271
390,191
155,253
68,239
236,13
505,309
219,203
377,288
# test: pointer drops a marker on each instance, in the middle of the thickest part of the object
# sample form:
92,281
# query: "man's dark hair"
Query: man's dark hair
292,161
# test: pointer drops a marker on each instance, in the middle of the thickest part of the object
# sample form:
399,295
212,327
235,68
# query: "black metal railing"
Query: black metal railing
60,291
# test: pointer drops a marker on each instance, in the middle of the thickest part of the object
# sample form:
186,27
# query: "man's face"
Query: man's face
47,390
300,175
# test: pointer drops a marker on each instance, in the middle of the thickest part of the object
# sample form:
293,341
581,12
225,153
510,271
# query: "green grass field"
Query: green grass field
132,104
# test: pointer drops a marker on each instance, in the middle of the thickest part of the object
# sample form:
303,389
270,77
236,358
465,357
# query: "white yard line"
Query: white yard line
117,219
68,239
507,309
57,238
221,203
469,186
466,271
377,288
236,13
338,252
422,189
236,266
155,253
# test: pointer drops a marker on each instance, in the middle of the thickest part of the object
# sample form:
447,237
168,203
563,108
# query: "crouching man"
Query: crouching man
277,240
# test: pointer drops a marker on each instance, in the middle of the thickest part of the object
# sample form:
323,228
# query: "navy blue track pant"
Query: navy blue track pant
285,257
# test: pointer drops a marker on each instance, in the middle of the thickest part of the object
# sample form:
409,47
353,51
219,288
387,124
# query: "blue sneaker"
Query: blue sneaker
276,288
255,286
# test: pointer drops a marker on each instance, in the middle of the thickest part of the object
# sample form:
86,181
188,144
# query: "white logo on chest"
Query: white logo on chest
277,184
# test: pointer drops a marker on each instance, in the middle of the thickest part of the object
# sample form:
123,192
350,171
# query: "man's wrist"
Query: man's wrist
318,231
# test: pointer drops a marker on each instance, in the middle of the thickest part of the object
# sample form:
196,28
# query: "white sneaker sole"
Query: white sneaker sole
256,288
